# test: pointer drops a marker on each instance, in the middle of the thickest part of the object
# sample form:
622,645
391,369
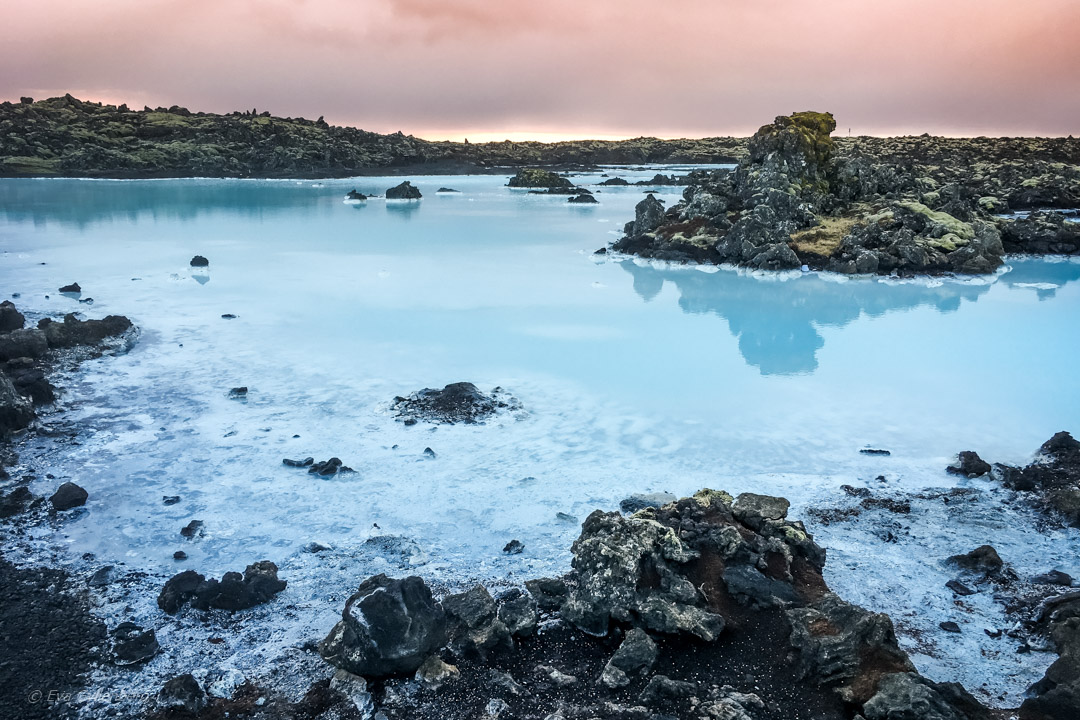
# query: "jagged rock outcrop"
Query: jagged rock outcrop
405,191
73,331
804,198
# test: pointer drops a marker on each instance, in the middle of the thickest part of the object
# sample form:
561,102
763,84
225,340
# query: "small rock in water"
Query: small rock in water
949,626
874,451
170,499
228,316
68,496
428,452
306,462
447,190
566,517
969,464
959,588
328,468
86,301
514,547
983,559
199,261
1054,577
72,288
239,392
179,555
192,528
102,577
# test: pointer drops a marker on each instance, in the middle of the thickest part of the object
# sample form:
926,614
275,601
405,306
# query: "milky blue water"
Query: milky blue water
633,376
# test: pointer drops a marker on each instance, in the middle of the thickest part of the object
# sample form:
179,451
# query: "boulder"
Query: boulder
23,343
16,413
199,261
68,496
635,656
72,288
648,215
404,191
472,623
388,627
584,198
1053,476
10,317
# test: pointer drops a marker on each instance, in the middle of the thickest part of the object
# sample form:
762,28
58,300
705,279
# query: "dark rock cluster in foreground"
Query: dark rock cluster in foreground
707,607
866,205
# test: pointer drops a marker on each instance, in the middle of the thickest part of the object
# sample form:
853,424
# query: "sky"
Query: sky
554,69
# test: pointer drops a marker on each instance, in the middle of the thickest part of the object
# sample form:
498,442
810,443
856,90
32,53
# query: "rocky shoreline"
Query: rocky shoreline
68,137
707,606
886,206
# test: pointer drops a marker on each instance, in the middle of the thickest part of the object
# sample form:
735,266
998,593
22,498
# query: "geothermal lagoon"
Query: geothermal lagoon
632,377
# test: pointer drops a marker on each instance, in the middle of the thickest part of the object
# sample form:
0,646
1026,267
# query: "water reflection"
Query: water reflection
776,323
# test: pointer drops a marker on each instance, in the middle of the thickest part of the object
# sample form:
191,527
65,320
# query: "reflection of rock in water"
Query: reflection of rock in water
1043,277
776,322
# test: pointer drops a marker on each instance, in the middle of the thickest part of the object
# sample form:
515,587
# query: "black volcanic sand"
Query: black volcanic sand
48,639
752,657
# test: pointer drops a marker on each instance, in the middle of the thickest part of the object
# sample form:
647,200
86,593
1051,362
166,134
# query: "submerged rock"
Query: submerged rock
457,402
258,584
388,627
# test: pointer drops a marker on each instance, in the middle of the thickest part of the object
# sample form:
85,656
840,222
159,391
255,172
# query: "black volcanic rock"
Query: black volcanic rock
404,191
388,627
199,261
234,591
68,496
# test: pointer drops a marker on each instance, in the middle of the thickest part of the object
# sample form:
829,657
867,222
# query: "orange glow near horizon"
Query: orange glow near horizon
562,69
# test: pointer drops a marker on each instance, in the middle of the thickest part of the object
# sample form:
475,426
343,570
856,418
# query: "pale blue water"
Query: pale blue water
635,377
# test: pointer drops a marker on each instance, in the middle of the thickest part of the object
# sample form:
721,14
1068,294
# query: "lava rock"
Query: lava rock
328,468
258,584
10,317
519,615
388,627
23,343
984,559
640,501
537,178
354,195
72,288
457,402
514,547
970,465
238,392
16,412
635,656
306,462
68,496
192,529
72,331
132,644
949,626
199,261
875,451
182,692
582,198
959,588
473,625
404,191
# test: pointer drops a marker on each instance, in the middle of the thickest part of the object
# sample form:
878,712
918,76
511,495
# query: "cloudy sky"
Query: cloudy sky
489,69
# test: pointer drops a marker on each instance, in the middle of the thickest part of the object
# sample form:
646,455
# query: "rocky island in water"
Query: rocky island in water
701,604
